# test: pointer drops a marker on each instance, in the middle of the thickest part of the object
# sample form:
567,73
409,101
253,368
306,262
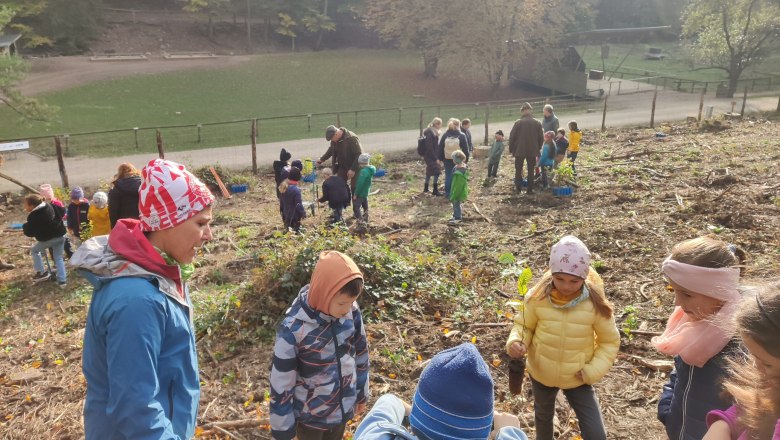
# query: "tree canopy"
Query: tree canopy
732,35
12,71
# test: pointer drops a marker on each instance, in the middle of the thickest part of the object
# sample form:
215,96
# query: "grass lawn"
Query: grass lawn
268,86
676,64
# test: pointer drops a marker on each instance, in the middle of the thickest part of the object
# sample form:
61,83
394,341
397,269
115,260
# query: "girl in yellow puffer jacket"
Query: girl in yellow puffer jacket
567,329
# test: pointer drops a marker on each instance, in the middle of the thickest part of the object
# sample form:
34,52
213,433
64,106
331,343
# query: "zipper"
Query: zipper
338,366
170,401
685,402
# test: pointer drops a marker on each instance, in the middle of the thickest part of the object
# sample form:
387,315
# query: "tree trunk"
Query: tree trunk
431,64
321,34
734,73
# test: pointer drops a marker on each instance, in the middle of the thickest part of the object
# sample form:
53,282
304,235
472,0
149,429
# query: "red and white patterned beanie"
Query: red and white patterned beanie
169,195
570,256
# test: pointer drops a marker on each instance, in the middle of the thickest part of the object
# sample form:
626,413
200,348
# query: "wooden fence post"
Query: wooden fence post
604,115
487,121
61,162
135,132
701,103
338,119
652,110
308,122
400,109
356,120
778,104
421,121
254,146
744,101
160,148
199,127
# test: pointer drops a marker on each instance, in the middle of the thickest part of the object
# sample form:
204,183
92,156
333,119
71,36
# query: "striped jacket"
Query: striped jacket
320,368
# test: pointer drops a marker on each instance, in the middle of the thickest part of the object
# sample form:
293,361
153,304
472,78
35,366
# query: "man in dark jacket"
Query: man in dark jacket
123,198
345,149
465,127
44,223
336,192
525,142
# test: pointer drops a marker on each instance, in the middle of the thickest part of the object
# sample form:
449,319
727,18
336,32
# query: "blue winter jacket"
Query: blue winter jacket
292,204
691,393
139,349
547,158
384,420
320,369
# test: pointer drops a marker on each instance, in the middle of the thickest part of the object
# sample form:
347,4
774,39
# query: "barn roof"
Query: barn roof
7,40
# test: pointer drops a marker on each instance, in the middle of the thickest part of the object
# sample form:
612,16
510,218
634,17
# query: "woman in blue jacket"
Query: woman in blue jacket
139,348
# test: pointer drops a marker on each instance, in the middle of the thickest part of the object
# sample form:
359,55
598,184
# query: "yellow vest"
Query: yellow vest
101,224
574,141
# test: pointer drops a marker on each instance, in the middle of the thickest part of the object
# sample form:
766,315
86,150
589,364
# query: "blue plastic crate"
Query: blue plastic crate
563,191
310,178
238,188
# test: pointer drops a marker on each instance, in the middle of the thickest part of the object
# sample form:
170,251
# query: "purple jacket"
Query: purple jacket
730,417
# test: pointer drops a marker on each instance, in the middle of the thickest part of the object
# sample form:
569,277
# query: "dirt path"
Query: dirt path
625,111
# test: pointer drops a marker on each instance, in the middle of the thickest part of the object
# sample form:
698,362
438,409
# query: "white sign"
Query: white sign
13,146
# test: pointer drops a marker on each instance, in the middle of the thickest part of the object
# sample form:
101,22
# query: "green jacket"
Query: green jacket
363,185
496,151
345,153
459,191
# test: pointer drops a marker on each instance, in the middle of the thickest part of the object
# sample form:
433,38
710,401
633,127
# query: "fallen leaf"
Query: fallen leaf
392,375
198,431
36,364
473,339
496,362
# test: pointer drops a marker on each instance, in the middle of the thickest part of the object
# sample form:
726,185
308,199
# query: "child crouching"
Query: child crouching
319,376
336,192
568,330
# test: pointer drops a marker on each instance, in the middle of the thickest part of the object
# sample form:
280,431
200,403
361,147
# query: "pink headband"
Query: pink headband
720,284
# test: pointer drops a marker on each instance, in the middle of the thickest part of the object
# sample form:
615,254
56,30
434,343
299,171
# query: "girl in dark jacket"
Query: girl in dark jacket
123,196
292,204
432,163
44,223
704,274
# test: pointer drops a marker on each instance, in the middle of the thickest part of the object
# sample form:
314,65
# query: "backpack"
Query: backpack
421,146
451,145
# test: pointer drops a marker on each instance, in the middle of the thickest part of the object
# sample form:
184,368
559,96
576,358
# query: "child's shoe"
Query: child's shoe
62,284
41,276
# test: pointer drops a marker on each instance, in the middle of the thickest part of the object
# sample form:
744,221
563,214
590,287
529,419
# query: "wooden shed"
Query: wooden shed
8,44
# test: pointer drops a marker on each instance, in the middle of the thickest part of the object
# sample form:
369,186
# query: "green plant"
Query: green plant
563,174
630,321
378,160
240,179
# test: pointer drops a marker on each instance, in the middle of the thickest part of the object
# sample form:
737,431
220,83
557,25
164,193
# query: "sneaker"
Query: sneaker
41,276
453,221
62,285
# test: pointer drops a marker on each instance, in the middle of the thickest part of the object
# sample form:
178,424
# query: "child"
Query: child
281,168
47,192
459,191
98,214
704,273
568,330
319,375
336,192
561,145
547,158
755,384
292,204
44,222
362,188
575,136
496,150
78,213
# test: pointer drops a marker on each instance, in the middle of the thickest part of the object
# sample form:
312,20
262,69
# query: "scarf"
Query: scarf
185,270
696,342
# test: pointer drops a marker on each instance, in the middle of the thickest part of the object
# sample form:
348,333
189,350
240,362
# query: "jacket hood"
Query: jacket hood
126,252
303,311
128,184
331,273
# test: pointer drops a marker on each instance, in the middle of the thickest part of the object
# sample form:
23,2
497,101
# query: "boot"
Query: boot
436,189
425,189
516,374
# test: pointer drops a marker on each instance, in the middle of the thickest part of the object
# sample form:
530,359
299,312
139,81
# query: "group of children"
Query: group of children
556,148
566,330
57,227
336,192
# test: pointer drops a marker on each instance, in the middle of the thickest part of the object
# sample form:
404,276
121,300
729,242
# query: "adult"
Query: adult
550,121
465,127
451,141
432,163
525,142
123,195
441,411
139,354
344,149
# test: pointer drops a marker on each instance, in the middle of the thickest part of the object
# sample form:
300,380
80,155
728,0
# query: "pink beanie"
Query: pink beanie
46,191
169,195
570,256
